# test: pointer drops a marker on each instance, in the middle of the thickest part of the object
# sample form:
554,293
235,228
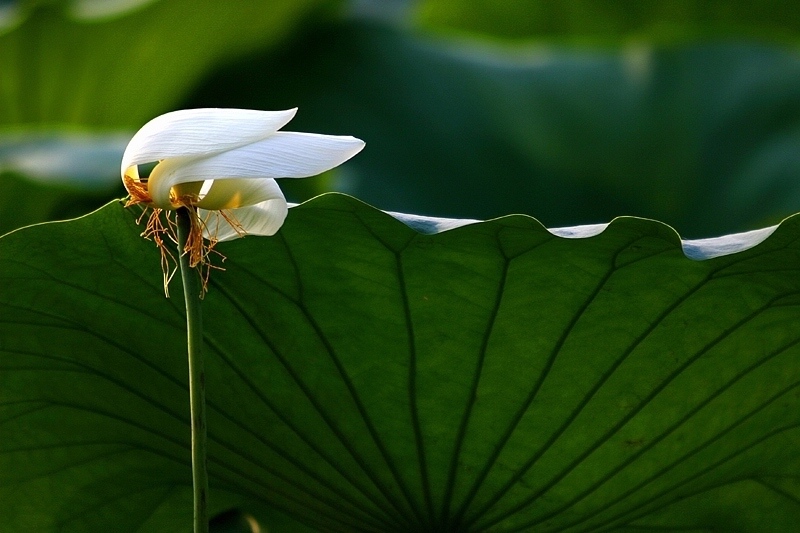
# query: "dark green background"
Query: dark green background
569,111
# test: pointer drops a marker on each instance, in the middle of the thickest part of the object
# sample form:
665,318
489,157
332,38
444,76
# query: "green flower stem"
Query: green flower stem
197,399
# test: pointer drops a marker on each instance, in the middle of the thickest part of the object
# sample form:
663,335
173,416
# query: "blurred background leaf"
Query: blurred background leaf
572,111
599,21
705,137
66,65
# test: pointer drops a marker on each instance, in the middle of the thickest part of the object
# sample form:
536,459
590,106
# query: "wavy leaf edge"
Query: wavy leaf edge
694,249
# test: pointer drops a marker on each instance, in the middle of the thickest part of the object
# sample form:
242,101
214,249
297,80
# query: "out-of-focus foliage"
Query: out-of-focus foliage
604,21
56,174
702,132
61,67
705,136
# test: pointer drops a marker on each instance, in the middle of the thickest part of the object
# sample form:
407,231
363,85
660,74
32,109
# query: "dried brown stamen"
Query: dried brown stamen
200,243
137,190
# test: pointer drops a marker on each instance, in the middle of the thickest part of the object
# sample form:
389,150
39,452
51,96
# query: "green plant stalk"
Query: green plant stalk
197,399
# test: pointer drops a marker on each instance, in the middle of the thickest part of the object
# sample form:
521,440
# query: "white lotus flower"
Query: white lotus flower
223,163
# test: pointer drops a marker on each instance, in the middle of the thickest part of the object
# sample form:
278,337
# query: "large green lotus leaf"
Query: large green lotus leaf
706,136
623,19
65,63
368,375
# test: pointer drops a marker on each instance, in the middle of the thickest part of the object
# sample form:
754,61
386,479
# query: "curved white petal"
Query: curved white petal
197,132
264,218
284,154
233,194
161,180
